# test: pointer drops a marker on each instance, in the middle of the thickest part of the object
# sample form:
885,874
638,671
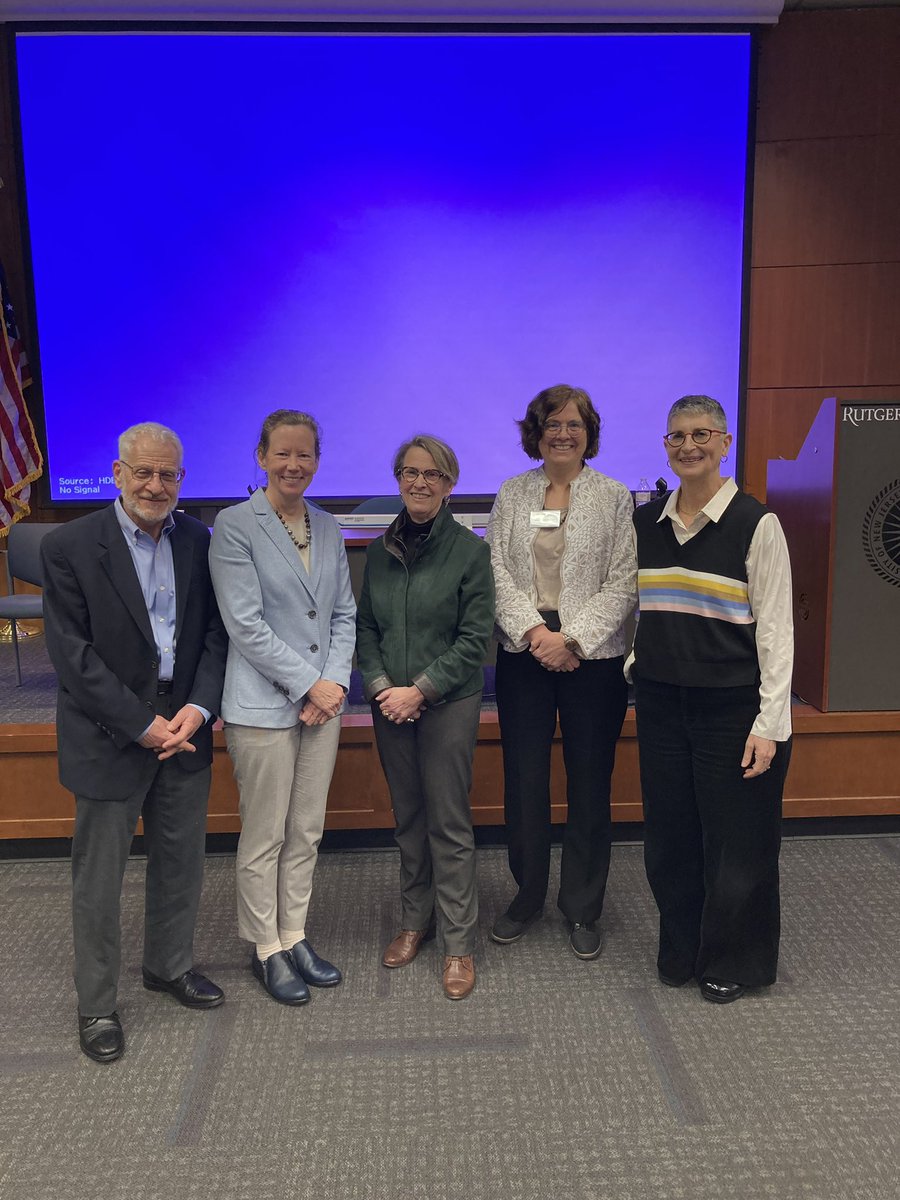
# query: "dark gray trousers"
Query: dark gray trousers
428,767
173,804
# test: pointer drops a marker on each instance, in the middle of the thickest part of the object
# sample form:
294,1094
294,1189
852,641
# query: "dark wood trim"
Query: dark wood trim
843,765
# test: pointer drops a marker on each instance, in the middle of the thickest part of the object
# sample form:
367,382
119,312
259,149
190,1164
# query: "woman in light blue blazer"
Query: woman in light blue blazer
281,578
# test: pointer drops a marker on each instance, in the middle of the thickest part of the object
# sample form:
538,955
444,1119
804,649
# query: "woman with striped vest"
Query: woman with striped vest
712,668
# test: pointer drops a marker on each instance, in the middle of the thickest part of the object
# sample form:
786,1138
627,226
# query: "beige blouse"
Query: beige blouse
549,548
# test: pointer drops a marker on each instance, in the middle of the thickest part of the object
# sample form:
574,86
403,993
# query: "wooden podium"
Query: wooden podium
839,504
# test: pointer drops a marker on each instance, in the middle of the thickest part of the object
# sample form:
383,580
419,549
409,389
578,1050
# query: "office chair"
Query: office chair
380,504
23,561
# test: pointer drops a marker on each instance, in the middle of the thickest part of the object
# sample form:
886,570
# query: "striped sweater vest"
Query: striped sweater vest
695,627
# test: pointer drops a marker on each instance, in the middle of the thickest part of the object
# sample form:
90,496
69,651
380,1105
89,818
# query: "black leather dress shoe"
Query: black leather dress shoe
314,970
718,991
101,1038
280,978
191,989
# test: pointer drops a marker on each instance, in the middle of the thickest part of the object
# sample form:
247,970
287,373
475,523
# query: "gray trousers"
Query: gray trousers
428,767
283,776
173,806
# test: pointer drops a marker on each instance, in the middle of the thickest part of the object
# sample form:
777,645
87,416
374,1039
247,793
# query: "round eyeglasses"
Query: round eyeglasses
698,436
430,475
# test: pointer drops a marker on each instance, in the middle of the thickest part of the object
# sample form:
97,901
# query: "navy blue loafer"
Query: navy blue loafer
314,970
279,977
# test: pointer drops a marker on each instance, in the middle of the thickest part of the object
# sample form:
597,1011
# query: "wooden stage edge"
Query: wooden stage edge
844,764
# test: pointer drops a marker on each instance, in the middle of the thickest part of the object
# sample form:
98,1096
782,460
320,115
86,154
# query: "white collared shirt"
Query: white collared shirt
769,592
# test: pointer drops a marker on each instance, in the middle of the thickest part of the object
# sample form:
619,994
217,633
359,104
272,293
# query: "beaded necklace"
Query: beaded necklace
290,532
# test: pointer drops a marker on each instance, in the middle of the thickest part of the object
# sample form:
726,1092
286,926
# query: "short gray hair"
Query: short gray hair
444,458
154,432
696,406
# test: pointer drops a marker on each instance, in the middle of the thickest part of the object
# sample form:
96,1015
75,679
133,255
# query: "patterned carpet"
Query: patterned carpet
557,1079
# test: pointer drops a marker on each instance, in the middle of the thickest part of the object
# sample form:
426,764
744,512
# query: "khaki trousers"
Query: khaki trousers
283,776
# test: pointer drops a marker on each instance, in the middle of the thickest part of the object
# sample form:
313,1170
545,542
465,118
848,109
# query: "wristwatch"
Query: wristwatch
570,643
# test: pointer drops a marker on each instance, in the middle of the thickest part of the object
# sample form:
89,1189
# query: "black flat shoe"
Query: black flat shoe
585,940
101,1038
279,977
315,971
191,989
718,991
507,929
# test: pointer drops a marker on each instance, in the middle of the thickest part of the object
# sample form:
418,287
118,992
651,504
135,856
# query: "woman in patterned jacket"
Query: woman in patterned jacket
564,572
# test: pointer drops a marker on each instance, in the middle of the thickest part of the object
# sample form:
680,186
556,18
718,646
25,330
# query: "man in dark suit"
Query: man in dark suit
137,642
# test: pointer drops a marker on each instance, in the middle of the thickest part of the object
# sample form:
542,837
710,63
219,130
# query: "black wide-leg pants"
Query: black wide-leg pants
711,837
591,703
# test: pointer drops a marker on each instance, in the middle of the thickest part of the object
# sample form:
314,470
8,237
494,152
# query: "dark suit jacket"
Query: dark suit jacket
101,644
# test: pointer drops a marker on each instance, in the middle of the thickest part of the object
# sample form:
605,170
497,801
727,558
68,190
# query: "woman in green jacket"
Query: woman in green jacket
424,623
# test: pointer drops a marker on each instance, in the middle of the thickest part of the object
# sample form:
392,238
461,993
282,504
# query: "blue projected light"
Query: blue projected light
399,234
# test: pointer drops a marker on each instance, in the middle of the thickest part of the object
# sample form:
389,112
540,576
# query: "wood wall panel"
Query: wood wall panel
843,764
824,326
829,74
848,189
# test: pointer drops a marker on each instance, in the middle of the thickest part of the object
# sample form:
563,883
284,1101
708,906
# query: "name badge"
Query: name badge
546,518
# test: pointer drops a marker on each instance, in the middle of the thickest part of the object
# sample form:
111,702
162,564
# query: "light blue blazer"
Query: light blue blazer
286,629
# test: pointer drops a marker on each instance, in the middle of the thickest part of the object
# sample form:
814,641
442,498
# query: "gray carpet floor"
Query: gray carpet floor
35,700
556,1078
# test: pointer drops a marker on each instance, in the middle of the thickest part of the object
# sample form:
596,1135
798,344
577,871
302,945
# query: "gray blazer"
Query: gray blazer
286,629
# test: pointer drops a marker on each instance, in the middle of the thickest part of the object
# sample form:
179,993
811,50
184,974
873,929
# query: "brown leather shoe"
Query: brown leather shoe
405,946
459,976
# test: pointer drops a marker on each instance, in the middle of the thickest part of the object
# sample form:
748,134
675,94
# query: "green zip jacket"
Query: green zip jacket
428,624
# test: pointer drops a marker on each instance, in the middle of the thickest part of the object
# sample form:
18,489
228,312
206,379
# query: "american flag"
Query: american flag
21,461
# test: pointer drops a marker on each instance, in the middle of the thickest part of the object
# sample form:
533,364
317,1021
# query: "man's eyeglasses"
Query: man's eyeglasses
145,474
411,474
559,426
698,436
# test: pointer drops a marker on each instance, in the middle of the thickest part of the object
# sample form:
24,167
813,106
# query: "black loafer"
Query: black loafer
279,977
718,991
585,940
314,970
507,929
191,989
101,1038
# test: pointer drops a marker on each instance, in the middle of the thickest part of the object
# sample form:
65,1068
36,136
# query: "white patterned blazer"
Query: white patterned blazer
598,572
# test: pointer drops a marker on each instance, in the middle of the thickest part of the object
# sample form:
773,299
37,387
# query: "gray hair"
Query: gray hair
700,406
154,432
444,458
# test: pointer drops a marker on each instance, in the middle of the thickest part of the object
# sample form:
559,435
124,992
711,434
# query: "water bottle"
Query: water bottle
644,493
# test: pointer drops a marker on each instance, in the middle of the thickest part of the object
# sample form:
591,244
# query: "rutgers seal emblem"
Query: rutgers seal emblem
881,533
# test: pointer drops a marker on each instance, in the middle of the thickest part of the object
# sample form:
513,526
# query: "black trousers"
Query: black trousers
173,805
591,703
711,837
